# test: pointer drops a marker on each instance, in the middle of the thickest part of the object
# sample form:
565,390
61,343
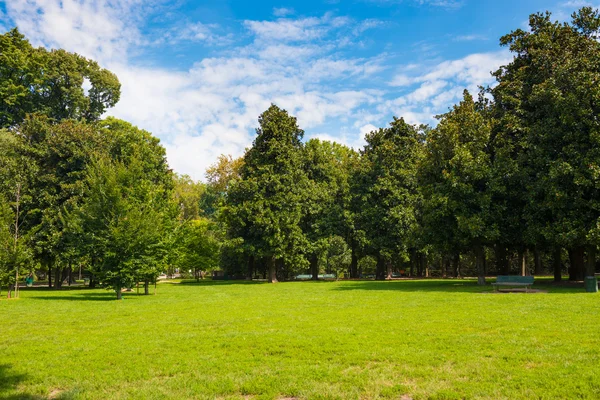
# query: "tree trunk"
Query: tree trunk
250,271
354,264
119,294
380,269
480,264
146,287
522,263
591,261
413,260
557,264
500,255
389,270
456,265
314,266
57,280
272,270
70,275
49,276
443,266
537,260
577,269
92,283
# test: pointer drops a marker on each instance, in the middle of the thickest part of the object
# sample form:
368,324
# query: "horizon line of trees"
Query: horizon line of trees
505,181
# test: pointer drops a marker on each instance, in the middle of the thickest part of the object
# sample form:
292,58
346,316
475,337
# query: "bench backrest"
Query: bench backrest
514,279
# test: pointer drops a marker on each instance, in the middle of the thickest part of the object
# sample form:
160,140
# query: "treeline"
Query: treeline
507,182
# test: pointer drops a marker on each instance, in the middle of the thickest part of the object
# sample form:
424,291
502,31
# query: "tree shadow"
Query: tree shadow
108,296
47,289
451,286
9,382
210,282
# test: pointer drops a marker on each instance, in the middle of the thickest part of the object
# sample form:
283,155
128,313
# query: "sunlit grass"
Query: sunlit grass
346,340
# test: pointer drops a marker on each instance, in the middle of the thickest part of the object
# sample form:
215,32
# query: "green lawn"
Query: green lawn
346,340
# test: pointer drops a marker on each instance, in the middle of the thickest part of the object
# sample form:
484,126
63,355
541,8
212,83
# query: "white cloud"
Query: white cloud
469,38
305,29
283,12
212,107
441,85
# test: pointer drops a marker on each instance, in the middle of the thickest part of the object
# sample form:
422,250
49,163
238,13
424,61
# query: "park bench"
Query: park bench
513,281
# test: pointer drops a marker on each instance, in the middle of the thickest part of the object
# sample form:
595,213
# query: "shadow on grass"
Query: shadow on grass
95,296
47,289
210,282
453,286
9,382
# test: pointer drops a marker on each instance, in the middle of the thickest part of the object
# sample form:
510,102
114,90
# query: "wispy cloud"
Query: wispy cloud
469,38
450,4
283,12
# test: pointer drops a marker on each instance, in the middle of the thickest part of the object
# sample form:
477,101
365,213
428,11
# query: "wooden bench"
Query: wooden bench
513,281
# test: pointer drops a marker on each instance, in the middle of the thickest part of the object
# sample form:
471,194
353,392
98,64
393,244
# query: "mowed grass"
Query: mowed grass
307,340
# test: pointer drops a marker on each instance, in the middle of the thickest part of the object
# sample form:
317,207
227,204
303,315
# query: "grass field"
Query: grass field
323,340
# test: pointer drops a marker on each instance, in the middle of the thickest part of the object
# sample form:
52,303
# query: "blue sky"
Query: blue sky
198,73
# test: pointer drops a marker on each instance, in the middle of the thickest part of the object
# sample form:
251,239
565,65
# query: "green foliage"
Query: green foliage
198,244
455,179
549,99
264,207
386,189
53,83
188,195
124,218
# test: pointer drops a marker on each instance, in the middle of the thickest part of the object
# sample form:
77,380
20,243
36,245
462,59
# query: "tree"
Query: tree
219,176
198,246
56,83
386,191
455,177
60,153
328,167
187,195
16,176
124,218
264,206
549,99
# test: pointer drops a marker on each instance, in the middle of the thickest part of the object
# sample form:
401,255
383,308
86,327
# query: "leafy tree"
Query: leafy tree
124,218
56,83
264,207
60,153
188,195
455,177
219,176
386,191
16,178
549,101
328,166
199,246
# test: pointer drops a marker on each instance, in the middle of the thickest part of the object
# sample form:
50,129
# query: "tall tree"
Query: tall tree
326,212
386,191
264,207
455,178
550,98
